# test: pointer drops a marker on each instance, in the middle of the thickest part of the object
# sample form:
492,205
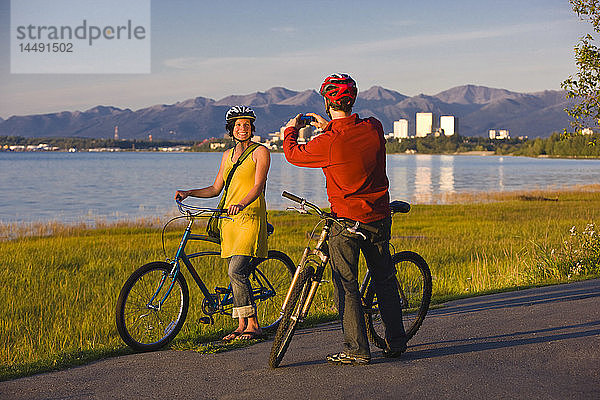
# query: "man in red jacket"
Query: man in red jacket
351,152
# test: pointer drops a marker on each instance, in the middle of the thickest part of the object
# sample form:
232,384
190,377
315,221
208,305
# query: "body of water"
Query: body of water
73,187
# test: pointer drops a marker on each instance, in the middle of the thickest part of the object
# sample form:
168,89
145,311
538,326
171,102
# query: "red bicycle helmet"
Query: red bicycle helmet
339,89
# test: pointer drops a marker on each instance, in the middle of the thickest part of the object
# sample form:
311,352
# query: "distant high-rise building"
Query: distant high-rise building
426,124
499,134
449,124
116,132
400,129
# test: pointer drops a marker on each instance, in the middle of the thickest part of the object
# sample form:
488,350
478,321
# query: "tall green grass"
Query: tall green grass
60,283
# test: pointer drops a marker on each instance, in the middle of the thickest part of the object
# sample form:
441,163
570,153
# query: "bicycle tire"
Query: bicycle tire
289,321
143,328
279,277
414,279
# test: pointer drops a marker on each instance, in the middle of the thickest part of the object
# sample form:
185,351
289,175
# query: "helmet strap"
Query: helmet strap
236,140
327,105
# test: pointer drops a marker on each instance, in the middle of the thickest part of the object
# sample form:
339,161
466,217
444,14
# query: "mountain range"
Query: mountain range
478,109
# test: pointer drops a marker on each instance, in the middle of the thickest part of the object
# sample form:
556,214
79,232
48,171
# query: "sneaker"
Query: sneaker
343,358
393,353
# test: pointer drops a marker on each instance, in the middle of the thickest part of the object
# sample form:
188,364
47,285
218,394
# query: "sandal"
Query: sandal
250,335
232,336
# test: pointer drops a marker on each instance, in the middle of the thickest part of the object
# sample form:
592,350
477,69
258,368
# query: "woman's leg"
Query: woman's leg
243,306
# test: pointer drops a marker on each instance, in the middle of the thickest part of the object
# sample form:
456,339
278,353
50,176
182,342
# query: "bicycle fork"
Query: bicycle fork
173,273
318,256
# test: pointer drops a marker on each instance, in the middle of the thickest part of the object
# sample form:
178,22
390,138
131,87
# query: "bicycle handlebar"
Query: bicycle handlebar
395,207
292,197
303,202
344,221
199,210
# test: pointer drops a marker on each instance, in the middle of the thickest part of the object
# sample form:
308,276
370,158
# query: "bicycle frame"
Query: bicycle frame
213,303
154,301
312,266
320,257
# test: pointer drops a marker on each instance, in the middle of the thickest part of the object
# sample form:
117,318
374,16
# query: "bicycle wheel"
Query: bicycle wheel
273,277
289,321
414,286
142,323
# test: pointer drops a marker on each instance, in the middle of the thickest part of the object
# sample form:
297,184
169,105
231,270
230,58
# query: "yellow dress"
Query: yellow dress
246,233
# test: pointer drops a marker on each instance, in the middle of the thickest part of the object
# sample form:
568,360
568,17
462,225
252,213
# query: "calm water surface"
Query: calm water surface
74,187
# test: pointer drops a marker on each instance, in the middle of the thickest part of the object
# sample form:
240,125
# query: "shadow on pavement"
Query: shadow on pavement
518,299
483,344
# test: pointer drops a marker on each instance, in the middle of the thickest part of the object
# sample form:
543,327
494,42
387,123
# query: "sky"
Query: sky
215,49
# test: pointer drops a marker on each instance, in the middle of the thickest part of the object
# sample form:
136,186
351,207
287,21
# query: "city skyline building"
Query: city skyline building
426,124
400,129
499,134
449,125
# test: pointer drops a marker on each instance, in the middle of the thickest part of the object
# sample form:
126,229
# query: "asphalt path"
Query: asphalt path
541,343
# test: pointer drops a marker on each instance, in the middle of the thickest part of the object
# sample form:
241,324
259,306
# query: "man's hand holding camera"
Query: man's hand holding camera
302,120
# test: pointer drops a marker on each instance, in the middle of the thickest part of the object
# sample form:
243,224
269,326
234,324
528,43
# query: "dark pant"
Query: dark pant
344,250
240,268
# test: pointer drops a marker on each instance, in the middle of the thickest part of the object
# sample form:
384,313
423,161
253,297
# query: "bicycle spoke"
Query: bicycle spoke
144,327
272,275
414,288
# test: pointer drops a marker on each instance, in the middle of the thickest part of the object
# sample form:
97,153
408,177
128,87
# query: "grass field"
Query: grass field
60,283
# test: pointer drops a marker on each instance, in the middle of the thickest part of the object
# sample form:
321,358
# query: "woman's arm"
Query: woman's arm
209,191
262,158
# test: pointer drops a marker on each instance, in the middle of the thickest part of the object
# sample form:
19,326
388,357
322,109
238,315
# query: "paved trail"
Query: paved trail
531,344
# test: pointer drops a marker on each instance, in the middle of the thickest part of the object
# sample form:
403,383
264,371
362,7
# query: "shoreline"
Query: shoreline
483,153
22,229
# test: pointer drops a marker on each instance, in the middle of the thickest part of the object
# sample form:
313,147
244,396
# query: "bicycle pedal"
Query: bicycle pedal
206,320
221,290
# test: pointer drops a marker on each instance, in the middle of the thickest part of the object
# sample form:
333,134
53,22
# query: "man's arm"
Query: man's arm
314,154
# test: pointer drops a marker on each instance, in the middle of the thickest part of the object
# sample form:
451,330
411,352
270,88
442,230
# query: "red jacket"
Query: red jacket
351,152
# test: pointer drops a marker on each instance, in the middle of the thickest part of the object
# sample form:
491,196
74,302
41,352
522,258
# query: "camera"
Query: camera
305,120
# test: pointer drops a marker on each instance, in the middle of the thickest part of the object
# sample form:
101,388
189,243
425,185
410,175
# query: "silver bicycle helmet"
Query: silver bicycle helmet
237,112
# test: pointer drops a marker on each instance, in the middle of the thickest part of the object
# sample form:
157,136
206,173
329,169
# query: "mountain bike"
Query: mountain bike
412,276
153,303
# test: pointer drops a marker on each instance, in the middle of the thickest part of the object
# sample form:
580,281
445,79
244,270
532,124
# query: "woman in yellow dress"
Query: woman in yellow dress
244,236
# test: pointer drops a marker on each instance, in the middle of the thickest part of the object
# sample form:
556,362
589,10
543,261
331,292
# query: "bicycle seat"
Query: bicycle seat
399,206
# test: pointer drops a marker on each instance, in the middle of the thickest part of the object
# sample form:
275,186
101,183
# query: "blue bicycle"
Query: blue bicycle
153,303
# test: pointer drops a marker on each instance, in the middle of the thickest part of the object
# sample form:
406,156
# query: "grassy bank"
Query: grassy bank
60,284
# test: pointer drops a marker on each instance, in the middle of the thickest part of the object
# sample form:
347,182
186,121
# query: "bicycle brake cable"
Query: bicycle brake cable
162,235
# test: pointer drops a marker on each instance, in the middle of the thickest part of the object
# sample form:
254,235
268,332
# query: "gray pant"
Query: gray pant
344,250
240,268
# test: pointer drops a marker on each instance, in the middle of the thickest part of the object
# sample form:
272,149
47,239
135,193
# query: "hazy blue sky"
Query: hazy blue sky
217,48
